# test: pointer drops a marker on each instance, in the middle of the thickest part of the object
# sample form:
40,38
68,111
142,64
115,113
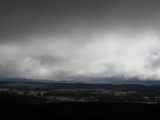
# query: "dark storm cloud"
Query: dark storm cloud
48,60
25,18
58,39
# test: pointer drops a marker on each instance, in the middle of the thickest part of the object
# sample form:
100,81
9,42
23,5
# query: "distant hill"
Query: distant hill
86,81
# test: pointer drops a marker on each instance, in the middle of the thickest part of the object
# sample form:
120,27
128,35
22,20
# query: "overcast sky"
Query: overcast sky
71,39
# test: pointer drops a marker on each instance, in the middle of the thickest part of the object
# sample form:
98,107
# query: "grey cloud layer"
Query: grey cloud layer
22,19
78,39
106,55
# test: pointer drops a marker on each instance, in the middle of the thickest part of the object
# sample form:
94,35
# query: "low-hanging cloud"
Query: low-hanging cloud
113,54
